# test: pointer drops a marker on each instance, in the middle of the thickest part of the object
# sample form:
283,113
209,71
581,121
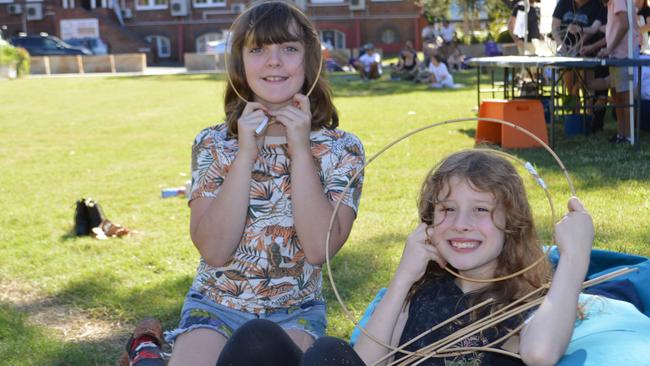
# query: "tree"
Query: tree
498,11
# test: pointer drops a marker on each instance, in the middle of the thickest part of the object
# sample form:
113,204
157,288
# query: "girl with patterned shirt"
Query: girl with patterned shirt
475,219
261,201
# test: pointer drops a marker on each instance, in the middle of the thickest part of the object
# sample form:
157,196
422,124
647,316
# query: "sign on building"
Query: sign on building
79,28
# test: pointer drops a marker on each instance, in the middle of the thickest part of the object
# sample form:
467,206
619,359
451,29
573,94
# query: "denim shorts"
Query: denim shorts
201,312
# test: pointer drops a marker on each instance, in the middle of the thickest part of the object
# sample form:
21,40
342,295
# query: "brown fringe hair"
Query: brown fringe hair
271,23
489,172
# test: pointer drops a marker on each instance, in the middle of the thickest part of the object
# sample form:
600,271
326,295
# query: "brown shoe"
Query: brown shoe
111,229
147,326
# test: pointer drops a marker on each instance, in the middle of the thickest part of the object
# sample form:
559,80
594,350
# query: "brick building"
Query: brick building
172,27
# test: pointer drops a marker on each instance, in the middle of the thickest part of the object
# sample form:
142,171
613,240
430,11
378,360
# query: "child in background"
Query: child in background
261,202
476,219
616,33
439,75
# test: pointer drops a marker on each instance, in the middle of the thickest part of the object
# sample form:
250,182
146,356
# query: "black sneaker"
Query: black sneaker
621,140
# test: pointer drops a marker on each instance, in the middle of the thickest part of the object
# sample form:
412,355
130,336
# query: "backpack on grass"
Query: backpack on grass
88,215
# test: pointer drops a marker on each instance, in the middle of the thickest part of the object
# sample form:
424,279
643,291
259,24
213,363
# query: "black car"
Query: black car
45,45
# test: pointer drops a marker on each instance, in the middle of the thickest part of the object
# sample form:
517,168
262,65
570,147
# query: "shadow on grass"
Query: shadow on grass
25,344
343,84
351,85
360,271
96,294
175,77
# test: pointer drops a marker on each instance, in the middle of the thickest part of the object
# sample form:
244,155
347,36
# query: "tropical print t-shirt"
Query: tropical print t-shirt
268,269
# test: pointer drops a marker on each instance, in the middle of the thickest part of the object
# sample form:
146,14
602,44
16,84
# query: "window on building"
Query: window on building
208,3
327,1
389,36
162,45
151,4
203,40
332,37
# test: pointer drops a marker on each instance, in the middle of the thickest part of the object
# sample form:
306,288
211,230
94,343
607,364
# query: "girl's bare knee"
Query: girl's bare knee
197,347
301,338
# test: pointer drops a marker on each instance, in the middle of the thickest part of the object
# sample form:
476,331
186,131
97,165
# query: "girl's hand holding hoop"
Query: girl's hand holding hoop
251,117
418,252
296,118
574,234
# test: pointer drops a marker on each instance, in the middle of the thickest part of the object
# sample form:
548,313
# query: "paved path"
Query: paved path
149,71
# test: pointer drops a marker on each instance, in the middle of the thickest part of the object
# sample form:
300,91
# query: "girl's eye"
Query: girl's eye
482,209
445,209
291,49
255,50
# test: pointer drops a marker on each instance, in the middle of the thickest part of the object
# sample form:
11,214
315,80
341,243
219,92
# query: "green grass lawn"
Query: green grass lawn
120,140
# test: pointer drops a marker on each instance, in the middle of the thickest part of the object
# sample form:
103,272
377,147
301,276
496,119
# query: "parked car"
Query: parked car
95,45
46,45
220,46
216,47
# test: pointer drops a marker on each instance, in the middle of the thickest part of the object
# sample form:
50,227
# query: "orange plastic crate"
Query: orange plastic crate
526,113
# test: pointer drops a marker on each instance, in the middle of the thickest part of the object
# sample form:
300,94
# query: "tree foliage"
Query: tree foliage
439,9
498,11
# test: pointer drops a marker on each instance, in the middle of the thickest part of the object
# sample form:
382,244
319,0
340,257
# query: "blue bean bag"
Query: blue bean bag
616,326
613,332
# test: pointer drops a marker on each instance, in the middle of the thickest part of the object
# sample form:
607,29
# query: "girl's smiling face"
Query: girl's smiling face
275,72
467,228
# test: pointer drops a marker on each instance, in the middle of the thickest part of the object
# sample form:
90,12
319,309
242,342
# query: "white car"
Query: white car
220,46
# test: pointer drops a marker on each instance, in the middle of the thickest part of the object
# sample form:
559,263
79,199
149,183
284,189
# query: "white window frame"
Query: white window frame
6,1
336,34
209,4
160,38
65,4
150,6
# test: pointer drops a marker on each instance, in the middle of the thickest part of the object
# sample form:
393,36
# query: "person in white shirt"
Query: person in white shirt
447,31
428,33
369,64
440,76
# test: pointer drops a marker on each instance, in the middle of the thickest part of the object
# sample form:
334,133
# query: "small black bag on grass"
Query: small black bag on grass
88,215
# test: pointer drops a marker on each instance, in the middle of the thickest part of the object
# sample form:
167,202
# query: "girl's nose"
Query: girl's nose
463,221
274,56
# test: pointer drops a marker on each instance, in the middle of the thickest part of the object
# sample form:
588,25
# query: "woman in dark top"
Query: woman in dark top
406,68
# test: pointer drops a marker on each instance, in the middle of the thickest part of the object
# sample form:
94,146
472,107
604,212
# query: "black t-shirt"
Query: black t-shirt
438,300
569,13
533,20
644,11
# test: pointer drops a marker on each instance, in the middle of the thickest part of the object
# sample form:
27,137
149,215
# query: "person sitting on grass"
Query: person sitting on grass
264,186
439,75
369,64
407,64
